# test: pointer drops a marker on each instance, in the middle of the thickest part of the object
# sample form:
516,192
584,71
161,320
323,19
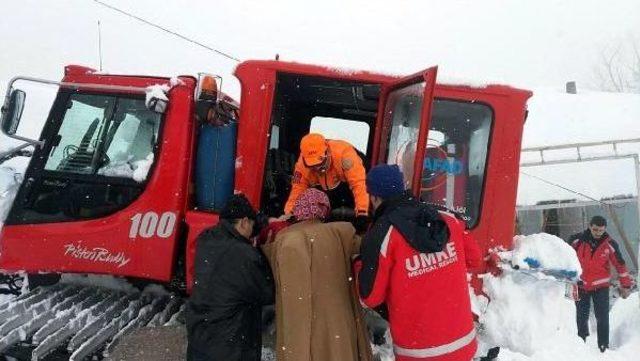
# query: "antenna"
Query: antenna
174,33
100,44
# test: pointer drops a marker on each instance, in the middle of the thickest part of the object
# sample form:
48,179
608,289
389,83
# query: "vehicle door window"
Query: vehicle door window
132,137
402,117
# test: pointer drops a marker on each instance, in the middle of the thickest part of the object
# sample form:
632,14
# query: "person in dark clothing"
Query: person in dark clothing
232,283
596,252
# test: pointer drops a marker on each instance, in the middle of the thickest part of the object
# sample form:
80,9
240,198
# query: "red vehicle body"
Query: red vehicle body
122,242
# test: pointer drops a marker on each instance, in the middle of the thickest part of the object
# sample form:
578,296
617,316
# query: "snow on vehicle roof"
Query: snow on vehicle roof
468,82
352,71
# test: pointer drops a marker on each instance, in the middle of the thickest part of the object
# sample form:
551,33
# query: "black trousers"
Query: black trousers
600,299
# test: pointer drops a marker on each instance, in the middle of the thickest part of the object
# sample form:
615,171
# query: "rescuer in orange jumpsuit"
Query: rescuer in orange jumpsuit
335,167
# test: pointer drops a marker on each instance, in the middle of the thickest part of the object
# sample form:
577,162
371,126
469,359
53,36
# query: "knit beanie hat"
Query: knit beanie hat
385,181
311,204
238,207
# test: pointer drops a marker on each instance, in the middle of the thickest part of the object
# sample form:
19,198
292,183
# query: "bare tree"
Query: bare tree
618,69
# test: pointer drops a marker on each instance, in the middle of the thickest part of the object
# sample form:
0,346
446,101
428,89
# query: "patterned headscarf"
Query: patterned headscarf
311,204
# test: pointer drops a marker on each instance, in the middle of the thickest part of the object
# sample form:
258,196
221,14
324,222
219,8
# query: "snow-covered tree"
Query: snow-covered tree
618,69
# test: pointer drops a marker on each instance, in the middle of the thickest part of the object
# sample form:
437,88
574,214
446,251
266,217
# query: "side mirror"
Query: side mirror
12,112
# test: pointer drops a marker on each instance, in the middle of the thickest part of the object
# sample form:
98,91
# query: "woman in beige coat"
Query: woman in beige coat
318,314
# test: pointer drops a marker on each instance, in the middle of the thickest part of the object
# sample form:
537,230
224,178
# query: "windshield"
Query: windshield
105,135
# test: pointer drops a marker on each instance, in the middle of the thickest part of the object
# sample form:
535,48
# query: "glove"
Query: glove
361,223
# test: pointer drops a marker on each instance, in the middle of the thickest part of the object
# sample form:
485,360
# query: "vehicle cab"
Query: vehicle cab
118,186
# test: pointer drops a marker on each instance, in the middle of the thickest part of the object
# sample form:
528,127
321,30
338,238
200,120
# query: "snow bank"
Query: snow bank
520,301
526,314
530,318
545,251
625,326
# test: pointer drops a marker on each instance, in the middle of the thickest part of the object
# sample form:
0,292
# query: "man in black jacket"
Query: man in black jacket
232,283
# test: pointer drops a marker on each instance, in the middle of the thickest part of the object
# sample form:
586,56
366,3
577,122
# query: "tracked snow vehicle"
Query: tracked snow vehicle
128,170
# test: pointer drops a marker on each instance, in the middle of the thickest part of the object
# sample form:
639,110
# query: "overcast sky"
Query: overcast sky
526,43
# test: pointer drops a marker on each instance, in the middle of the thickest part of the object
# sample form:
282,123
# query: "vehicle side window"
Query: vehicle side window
456,157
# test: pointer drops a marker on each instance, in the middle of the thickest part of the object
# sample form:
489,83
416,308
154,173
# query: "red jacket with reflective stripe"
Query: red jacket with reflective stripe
595,262
426,294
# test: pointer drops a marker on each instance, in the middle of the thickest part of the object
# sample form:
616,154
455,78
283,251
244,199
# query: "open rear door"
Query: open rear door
404,114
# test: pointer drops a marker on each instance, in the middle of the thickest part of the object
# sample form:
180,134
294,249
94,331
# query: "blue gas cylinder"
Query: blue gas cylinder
215,165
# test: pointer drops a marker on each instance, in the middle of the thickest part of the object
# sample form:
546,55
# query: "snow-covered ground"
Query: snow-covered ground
535,322
531,318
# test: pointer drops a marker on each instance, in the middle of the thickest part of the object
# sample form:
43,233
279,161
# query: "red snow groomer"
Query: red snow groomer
128,170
